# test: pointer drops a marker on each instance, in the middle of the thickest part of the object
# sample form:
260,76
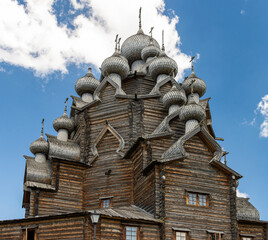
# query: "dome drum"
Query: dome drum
190,125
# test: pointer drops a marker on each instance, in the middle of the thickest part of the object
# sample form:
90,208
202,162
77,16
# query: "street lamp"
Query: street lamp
94,219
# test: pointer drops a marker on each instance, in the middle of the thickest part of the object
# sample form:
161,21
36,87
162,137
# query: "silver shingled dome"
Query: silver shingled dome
163,65
174,96
192,111
133,46
39,146
150,51
86,84
116,64
199,86
63,122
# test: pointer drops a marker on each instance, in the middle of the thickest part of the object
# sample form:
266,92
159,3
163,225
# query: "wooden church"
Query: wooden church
136,159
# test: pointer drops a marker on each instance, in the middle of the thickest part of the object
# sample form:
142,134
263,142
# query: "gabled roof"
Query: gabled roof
177,150
158,85
103,84
107,128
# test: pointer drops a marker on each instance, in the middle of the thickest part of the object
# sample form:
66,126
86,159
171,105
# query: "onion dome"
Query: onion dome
163,65
116,64
86,84
64,122
40,145
174,96
133,45
150,51
199,86
192,111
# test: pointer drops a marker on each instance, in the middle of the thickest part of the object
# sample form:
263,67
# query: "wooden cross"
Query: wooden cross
151,32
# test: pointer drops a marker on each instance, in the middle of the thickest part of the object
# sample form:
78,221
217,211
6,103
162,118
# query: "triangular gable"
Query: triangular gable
103,85
158,85
177,150
109,128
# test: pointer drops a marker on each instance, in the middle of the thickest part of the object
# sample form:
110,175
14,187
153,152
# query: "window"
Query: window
215,236
247,238
131,233
29,234
197,199
106,202
180,235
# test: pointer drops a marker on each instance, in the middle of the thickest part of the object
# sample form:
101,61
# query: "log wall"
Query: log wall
195,174
258,230
69,190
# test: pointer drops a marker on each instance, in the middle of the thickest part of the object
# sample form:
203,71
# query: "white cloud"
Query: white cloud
242,195
2,69
263,109
242,12
33,37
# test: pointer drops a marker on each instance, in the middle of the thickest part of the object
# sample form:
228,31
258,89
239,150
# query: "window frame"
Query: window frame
215,233
105,199
246,237
180,231
132,226
25,233
197,203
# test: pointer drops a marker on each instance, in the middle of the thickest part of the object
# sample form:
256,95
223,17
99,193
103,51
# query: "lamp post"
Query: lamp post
94,219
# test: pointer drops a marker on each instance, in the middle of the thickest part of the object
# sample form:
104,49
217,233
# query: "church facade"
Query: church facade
139,153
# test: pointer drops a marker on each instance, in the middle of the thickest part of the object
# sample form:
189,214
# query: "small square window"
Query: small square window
106,203
215,236
180,235
131,233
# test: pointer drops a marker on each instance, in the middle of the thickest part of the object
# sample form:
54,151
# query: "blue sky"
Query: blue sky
230,37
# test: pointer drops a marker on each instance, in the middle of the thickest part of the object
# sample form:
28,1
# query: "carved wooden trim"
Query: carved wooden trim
177,151
120,139
105,81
